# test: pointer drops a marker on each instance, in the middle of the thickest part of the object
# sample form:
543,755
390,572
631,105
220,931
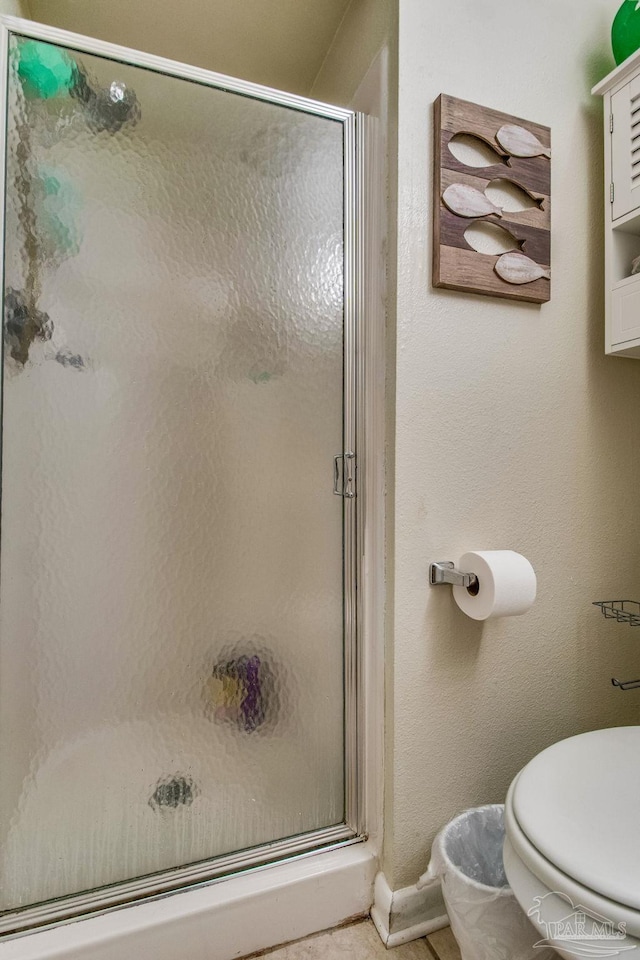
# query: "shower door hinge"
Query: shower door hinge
346,488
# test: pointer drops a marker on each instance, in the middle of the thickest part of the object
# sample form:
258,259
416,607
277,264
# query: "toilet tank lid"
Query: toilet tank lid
578,802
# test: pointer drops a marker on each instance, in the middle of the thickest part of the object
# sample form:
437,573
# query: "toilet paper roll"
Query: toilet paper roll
506,584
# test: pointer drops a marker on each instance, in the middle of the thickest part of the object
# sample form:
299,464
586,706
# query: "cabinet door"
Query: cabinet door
625,148
625,313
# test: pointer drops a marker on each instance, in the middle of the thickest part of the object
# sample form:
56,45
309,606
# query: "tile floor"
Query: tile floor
360,941
443,945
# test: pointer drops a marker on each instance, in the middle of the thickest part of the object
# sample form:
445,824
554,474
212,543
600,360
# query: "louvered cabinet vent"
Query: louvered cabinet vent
621,95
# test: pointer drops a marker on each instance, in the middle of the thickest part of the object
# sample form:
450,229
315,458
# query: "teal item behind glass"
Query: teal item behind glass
46,71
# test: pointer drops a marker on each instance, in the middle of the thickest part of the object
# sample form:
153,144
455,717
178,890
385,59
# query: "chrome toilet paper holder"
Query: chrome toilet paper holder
444,571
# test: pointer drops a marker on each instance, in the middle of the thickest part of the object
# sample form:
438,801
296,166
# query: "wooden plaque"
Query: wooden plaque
523,156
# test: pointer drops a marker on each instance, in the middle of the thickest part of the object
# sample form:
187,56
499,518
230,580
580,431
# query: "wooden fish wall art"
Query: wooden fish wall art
523,157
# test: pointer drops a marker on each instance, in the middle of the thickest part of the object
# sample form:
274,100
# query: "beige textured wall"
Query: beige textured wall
280,43
512,430
14,8
362,32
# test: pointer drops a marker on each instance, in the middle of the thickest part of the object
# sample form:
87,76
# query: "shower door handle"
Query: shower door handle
348,475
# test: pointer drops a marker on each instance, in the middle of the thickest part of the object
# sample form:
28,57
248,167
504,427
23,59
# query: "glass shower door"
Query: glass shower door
172,595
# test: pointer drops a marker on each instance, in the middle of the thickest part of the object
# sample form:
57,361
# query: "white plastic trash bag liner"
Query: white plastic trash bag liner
486,919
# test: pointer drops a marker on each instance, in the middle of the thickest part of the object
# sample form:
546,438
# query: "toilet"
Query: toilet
572,847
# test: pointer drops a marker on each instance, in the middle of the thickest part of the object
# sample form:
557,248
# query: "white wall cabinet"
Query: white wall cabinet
621,93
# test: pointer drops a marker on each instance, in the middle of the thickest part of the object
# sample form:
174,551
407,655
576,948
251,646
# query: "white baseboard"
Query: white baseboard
403,915
220,921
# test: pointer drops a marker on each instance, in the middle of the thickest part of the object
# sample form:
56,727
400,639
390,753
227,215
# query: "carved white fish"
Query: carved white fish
519,142
516,268
466,201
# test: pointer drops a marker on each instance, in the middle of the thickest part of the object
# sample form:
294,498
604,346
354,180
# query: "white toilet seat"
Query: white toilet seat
551,811
528,888
554,880
577,803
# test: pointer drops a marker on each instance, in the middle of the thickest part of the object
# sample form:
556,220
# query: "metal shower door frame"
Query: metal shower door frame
353,829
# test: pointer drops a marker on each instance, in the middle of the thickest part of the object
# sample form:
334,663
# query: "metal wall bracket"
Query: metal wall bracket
444,571
626,684
347,488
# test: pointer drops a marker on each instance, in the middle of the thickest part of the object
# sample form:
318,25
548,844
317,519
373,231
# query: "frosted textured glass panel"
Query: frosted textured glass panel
171,639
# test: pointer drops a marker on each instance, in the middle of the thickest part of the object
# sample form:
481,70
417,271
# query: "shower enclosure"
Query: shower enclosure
178,655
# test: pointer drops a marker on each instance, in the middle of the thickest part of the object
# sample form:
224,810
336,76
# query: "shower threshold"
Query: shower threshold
159,885
219,918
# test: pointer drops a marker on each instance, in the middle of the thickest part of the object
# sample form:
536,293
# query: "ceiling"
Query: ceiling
280,43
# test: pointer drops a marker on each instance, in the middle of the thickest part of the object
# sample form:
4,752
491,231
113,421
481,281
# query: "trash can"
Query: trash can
486,919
